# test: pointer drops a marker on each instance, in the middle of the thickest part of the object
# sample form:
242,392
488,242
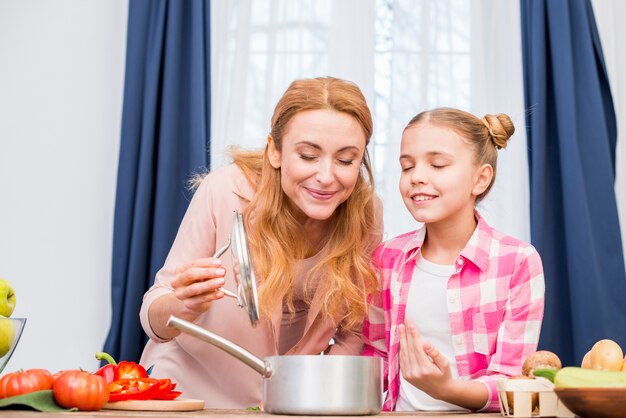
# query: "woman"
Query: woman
309,209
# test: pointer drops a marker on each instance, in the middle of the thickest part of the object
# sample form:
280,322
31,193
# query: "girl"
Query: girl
312,223
461,304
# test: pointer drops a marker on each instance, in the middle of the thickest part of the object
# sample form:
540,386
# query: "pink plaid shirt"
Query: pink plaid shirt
495,304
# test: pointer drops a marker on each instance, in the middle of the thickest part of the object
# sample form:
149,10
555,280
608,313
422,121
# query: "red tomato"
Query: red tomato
82,390
56,375
22,382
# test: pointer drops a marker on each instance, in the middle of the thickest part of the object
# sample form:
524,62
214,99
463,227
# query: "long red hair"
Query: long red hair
275,239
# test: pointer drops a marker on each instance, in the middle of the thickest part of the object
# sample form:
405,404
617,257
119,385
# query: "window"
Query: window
422,60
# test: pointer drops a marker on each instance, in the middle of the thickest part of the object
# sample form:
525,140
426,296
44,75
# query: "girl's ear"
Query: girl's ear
273,153
484,175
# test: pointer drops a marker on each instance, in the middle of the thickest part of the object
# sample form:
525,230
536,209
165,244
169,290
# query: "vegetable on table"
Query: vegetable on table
142,389
135,389
577,377
81,389
166,390
122,370
25,381
540,360
606,355
128,380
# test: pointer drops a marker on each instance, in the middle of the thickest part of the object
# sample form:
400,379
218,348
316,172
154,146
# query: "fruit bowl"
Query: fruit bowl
594,402
10,333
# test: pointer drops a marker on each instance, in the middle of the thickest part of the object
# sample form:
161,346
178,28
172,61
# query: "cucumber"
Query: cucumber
576,377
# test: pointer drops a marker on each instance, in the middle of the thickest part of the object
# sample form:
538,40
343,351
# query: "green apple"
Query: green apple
7,298
7,335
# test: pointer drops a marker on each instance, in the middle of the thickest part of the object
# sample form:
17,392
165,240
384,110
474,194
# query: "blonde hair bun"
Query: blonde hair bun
500,129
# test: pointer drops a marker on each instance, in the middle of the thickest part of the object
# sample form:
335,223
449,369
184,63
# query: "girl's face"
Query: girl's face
320,161
439,180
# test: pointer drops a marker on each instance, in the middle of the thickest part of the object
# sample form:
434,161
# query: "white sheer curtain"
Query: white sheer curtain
610,15
460,54
498,87
406,55
259,47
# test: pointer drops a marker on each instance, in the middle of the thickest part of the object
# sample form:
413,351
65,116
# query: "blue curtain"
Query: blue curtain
164,140
572,135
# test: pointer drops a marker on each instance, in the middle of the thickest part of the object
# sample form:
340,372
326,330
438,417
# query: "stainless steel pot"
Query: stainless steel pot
307,385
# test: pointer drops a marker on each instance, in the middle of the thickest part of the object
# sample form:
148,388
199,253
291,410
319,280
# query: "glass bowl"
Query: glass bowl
10,333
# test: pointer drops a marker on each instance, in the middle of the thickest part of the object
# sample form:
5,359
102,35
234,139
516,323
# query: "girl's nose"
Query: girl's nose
418,176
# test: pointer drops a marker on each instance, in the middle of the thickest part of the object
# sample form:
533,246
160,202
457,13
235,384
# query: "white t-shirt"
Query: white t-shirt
427,309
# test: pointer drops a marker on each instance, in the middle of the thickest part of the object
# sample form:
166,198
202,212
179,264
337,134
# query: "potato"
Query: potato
606,355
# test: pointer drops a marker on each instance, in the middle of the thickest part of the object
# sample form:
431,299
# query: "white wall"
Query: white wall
61,84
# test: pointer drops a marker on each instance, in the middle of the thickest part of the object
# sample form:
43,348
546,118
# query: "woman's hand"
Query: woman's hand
196,284
422,364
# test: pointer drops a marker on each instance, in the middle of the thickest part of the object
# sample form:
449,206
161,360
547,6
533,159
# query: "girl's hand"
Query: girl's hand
422,364
196,283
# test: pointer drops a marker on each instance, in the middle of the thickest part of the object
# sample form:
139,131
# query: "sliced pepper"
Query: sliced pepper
133,389
142,389
131,370
172,394
124,370
165,385
166,390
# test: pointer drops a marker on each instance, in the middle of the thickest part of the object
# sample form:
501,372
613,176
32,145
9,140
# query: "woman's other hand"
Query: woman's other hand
197,284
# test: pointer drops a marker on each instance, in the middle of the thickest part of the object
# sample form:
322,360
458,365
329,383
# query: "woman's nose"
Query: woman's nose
325,172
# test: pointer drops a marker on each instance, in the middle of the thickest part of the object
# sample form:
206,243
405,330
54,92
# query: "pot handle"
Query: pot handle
260,366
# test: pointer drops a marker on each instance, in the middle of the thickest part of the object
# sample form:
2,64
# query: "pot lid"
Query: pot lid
242,269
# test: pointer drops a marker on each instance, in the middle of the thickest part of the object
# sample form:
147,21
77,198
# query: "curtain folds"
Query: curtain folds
571,132
609,17
406,56
164,140
259,48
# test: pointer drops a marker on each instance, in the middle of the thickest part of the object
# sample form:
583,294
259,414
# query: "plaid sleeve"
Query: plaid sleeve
518,335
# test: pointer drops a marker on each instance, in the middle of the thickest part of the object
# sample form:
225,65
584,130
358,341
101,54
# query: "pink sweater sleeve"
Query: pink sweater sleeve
195,239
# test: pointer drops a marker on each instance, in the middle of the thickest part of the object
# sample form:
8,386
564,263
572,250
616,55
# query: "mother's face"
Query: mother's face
320,160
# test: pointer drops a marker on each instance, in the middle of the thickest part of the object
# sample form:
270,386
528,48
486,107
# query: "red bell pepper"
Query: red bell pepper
173,394
131,370
129,381
142,389
166,390
108,371
133,389
124,370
